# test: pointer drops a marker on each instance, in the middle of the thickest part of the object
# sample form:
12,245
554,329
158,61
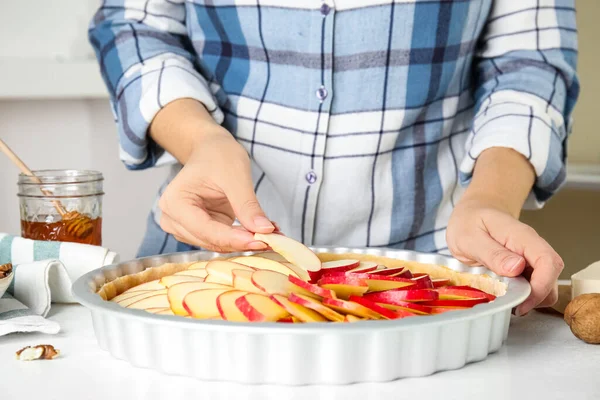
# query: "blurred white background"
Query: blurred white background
54,112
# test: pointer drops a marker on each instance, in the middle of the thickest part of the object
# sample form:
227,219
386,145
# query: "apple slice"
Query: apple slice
242,280
423,282
227,308
152,285
365,266
271,282
388,271
202,304
221,271
376,283
351,307
455,303
344,286
128,295
489,296
271,255
156,301
308,289
286,320
381,311
334,266
198,265
351,318
166,311
296,310
295,252
171,280
405,273
437,283
259,308
265,263
317,306
392,296
459,293
177,293
127,302
441,310
399,305
200,273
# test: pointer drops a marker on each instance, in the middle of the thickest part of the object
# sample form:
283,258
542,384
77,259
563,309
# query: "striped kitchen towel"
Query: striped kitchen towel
45,271
16,317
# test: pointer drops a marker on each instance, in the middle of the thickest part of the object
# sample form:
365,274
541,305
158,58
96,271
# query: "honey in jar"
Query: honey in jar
62,205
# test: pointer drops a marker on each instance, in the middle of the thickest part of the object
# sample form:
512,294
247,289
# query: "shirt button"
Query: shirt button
325,9
311,177
321,93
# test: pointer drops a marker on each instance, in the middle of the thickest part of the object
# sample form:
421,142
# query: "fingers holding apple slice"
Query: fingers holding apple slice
293,251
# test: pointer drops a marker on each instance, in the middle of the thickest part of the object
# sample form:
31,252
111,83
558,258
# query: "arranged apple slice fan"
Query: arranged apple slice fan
293,285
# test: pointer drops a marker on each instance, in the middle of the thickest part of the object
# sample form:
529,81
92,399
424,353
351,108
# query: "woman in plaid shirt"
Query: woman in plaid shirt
418,124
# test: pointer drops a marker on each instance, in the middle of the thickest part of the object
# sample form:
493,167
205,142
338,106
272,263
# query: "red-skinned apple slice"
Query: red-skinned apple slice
259,308
308,289
400,305
334,266
200,272
344,285
177,293
388,271
271,265
152,285
221,271
271,282
459,293
242,280
156,301
392,296
455,303
365,266
376,283
293,251
423,282
227,307
171,280
351,307
287,320
317,306
381,311
202,304
198,265
489,296
437,283
142,295
300,312
441,310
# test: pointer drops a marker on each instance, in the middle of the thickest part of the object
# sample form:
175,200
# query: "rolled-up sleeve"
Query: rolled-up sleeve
144,57
526,88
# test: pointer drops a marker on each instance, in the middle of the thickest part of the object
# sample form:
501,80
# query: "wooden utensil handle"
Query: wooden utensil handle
21,165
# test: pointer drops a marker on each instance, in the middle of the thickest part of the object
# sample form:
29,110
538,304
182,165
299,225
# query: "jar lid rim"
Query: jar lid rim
61,176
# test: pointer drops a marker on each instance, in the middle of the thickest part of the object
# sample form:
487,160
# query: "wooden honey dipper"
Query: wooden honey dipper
76,224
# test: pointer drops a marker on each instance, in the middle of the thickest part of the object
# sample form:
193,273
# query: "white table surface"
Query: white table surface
540,360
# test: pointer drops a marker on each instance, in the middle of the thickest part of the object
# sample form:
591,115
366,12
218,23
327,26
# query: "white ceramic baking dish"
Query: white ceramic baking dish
299,354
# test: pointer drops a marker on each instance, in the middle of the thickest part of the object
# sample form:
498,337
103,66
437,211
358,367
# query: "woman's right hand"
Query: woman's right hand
213,188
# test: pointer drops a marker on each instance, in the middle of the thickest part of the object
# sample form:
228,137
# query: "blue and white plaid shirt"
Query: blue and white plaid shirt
363,118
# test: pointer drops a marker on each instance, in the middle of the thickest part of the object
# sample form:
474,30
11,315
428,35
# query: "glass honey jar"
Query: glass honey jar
62,205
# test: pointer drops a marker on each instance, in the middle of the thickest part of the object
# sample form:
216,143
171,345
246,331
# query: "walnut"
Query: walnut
39,352
5,270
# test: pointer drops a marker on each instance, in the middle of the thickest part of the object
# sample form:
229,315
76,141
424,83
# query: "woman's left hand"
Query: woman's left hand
481,232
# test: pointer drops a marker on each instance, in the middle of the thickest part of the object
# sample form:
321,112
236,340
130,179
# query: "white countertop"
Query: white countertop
541,360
